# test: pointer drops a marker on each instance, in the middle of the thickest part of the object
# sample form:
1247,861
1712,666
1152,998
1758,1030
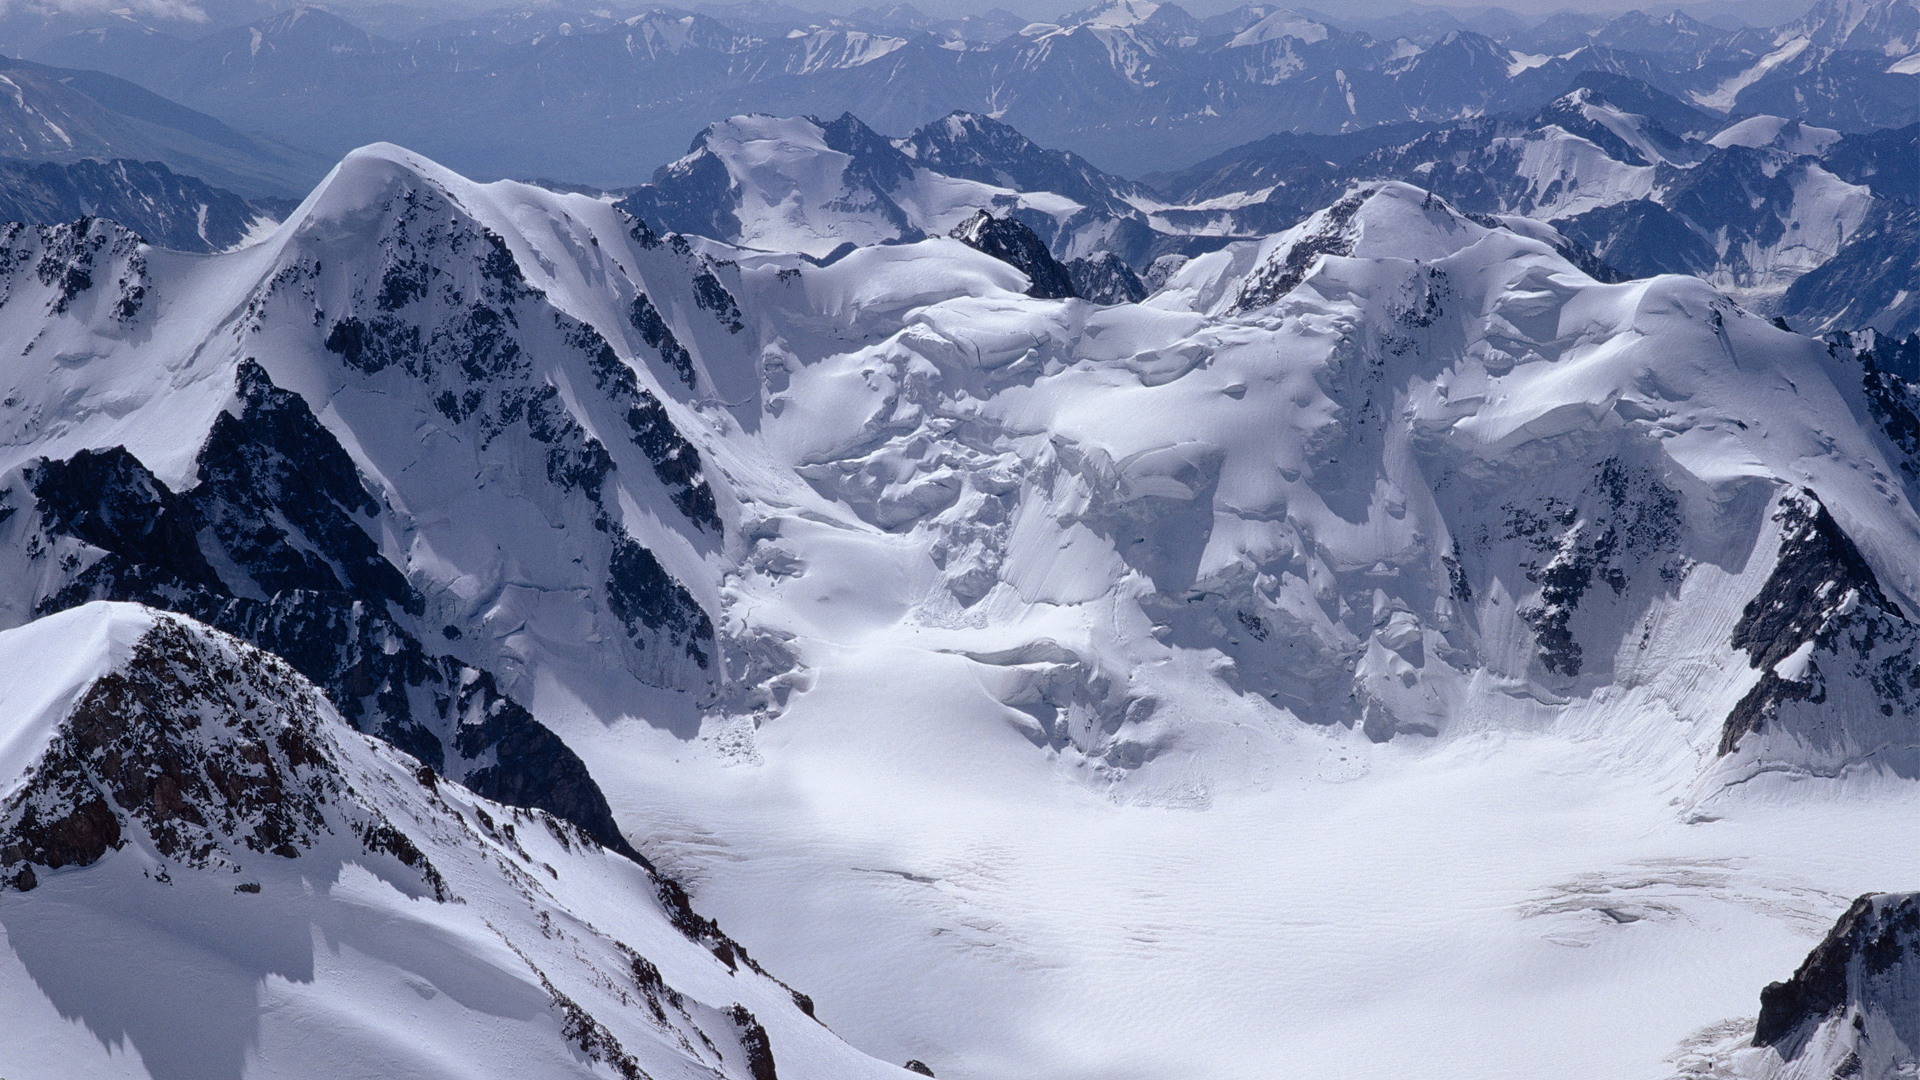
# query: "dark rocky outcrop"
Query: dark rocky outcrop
72,259
1822,596
1866,970
1276,277
1106,279
280,502
1623,519
208,749
754,1042
1016,245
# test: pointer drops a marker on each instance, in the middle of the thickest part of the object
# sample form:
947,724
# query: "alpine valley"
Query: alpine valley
1437,598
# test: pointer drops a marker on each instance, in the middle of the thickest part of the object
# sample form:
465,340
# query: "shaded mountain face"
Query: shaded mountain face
981,148
163,207
1851,1008
67,116
266,525
179,792
1131,93
1016,245
1848,1010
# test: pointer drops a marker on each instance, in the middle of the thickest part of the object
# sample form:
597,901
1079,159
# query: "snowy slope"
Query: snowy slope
209,874
1384,627
1150,542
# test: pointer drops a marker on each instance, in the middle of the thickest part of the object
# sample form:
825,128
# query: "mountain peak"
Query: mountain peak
1285,23
1390,220
1114,13
311,27
1016,245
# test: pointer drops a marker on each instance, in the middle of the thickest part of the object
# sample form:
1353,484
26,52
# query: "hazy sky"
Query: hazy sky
1757,12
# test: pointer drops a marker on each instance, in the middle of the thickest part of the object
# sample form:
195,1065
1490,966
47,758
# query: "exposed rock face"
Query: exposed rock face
1325,235
187,769
213,751
1106,279
1016,245
754,1044
90,261
1853,1008
981,148
1837,658
280,504
1870,282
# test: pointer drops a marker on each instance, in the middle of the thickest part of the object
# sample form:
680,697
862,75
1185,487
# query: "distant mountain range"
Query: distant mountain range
163,207
1795,219
1132,86
65,115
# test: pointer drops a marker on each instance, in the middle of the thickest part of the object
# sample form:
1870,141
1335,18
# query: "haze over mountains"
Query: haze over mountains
602,98
1133,546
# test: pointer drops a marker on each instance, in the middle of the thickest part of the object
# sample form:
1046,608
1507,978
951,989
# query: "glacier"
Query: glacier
1384,648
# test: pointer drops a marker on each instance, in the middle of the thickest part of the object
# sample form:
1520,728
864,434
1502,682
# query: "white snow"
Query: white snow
1096,703
1279,25
1525,61
1722,97
1122,13
340,962
1790,135
47,667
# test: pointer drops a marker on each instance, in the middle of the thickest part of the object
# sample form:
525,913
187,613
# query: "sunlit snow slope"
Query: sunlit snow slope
232,882
1385,650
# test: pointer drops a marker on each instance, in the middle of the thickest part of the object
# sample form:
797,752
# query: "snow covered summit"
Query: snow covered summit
1390,568
213,875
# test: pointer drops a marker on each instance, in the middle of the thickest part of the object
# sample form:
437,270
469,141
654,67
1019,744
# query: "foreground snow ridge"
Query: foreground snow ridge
240,839
1384,649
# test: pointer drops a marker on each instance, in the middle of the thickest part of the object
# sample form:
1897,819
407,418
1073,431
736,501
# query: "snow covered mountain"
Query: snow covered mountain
183,813
1846,63
1752,206
232,502
997,665
1132,86
802,184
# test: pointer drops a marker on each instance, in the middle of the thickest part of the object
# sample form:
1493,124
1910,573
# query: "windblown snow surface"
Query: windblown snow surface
1384,651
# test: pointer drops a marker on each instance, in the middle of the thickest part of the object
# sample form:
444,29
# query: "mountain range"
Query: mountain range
1620,188
1133,546
67,116
512,576
1132,86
